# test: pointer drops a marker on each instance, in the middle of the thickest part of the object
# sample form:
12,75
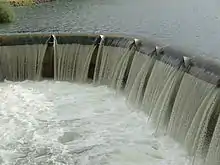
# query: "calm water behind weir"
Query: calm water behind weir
192,25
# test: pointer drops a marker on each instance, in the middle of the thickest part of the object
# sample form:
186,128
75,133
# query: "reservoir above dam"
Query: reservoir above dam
192,25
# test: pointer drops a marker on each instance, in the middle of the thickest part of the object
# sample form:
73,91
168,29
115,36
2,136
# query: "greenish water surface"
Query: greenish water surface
192,25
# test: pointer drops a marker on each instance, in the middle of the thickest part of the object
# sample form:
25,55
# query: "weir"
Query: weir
179,93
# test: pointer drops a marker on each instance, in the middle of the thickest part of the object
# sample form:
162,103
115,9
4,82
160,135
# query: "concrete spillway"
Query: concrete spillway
179,93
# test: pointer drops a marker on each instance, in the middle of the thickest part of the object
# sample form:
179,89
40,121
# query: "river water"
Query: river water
191,25
60,123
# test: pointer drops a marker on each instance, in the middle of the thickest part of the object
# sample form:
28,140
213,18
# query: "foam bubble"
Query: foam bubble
62,123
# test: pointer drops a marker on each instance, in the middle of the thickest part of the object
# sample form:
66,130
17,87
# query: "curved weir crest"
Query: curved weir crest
179,93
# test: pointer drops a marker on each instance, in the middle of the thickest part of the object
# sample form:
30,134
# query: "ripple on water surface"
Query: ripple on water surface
62,123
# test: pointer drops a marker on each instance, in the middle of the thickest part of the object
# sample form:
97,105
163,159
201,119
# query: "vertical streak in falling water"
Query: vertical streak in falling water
213,156
160,75
119,72
72,61
3,59
12,72
113,55
22,62
88,59
39,60
190,96
104,63
196,135
99,62
6,59
163,107
65,61
55,57
108,60
137,64
140,71
83,60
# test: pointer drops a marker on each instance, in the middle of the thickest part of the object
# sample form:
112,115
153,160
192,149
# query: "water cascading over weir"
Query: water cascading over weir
179,93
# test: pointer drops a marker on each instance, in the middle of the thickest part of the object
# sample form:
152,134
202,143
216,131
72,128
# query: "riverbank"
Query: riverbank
26,2
21,2
6,13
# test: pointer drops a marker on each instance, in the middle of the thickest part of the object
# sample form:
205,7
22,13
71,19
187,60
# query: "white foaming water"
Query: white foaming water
61,123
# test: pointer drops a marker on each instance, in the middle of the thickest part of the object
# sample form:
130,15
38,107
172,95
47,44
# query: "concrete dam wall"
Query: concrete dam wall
180,93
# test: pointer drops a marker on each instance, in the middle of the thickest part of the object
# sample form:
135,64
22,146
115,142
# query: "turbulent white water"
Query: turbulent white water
61,123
